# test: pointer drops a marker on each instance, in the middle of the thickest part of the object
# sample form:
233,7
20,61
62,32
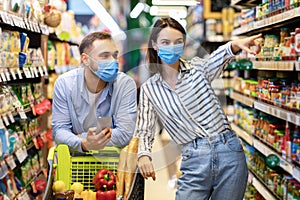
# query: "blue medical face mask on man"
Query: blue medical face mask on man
170,54
107,69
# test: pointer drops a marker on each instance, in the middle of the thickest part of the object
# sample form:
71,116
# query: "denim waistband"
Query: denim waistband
222,137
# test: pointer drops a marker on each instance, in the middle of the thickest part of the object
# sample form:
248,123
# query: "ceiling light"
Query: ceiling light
175,2
137,10
106,19
178,11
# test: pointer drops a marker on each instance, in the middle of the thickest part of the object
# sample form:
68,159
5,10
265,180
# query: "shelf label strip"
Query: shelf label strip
262,190
267,151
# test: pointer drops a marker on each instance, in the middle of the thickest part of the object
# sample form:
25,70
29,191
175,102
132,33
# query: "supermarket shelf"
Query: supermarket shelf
250,3
242,98
274,65
54,37
279,20
261,147
243,134
17,22
278,112
260,187
266,151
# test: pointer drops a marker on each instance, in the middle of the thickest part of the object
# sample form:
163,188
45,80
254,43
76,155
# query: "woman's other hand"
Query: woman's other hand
146,167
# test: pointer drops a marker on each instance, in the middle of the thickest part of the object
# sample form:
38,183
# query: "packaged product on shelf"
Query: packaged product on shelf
296,145
292,47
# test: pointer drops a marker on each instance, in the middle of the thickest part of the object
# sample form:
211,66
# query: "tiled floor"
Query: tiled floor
164,157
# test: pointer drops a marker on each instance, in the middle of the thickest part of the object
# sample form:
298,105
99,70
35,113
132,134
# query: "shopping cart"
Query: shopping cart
82,167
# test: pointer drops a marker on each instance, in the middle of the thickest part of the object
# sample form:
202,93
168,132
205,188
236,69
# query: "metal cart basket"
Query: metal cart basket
82,167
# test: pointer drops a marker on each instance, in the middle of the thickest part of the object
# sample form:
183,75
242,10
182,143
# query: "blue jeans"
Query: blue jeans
213,167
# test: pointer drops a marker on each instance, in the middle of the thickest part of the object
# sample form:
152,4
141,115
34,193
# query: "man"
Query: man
96,90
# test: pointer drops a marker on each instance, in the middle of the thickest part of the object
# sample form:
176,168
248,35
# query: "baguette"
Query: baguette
120,181
131,164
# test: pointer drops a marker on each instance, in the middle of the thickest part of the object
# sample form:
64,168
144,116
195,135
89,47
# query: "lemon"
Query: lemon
59,186
77,187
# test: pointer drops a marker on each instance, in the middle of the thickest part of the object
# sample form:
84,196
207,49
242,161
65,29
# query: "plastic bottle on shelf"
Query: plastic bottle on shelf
296,192
293,96
298,96
292,47
296,144
297,40
287,141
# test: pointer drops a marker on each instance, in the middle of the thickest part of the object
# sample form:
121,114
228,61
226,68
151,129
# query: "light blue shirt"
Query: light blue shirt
70,108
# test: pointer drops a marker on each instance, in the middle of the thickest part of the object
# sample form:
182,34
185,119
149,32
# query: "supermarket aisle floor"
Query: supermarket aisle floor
164,161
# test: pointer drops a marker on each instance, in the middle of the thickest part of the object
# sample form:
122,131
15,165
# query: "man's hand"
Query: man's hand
245,44
95,141
146,167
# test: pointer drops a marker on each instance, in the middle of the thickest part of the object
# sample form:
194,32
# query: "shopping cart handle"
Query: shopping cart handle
51,153
106,150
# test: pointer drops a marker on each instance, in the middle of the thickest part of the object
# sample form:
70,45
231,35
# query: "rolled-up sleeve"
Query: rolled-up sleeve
214,65
61,119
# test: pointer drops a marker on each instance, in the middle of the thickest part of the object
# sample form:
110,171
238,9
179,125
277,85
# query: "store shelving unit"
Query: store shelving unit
275,111
276,65
279,20
266,151
38,34
260,187
287,18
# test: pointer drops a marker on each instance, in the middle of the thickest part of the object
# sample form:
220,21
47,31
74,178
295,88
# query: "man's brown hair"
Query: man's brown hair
88,40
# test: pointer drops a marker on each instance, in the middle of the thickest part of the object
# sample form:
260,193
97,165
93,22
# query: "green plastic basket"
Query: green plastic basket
83,167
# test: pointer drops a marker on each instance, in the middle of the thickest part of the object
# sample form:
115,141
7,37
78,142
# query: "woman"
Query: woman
181,97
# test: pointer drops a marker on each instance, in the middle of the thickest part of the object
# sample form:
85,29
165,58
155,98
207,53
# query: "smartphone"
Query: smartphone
103,122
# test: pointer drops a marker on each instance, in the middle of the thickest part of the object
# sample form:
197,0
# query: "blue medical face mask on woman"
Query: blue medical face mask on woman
107,69
170,54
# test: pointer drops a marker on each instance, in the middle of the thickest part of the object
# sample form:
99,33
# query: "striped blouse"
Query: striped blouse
189,111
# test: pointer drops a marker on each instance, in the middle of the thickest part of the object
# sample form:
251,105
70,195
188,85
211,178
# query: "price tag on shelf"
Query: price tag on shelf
261,147
3,76
297,120
5,119
296,173
3,169
13,74
11,162
250,177
22,114
19,73
25,23
11,117
286,166
26,72
272,111
21,154
282,114
288,117
3,17
31,72
45,70
35,72
41,71
7,74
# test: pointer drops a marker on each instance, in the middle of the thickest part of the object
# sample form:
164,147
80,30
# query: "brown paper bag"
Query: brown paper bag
127,167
